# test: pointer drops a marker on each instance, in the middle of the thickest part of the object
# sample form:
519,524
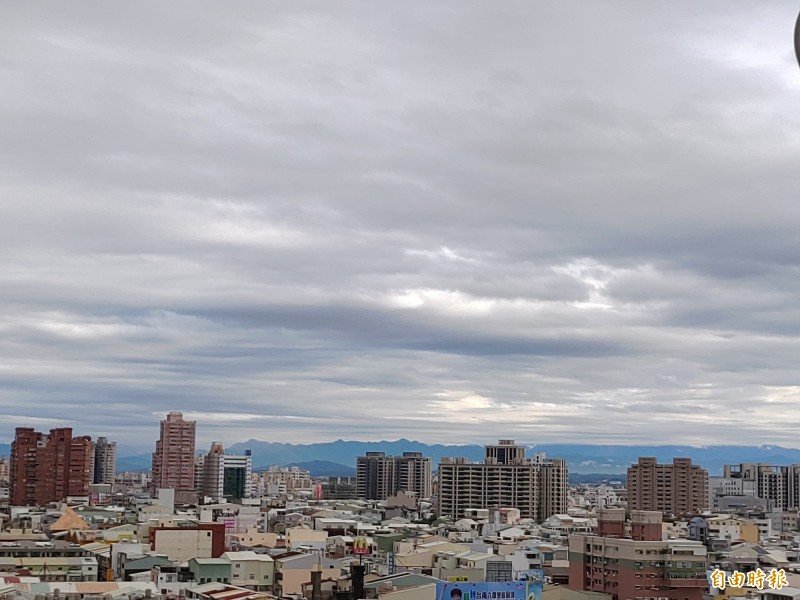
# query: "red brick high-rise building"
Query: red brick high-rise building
49,467
173,460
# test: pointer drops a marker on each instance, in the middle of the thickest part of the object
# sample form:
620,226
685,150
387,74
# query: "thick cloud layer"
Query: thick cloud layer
446,221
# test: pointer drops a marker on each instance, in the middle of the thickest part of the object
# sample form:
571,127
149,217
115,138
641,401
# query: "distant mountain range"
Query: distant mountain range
339,458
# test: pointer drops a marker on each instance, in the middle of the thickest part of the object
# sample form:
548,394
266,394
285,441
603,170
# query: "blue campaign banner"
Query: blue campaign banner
534,589
535,581
505,590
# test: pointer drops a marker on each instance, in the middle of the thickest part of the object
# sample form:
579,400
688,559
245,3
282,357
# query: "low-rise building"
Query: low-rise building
171,579
251,570
210,570
301,536
293,571
59,568
132,568
253,537
184,540
33,549
87,589
464,566
562,524
550,558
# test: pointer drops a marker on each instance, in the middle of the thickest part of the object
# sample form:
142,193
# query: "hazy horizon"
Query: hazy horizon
126,450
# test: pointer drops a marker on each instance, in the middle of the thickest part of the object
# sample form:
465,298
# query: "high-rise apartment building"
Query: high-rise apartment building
199,471
537,486
49,467
553,486
237,476
506,452
213,473
777,485
633,562
379,476
173,460
226,476
680,488
81,466
105,461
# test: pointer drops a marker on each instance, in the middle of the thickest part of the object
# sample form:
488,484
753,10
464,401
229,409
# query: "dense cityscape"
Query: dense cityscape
209,526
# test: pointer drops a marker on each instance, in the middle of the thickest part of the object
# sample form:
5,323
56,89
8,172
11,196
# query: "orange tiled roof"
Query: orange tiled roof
69,520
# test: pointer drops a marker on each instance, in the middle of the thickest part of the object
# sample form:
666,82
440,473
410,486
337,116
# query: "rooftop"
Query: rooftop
68,521
247,555
223,591
211,561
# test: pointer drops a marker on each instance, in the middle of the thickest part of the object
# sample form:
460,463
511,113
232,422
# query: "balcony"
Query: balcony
689,580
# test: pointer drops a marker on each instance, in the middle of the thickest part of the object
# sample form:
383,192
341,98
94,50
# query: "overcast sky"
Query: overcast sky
446,221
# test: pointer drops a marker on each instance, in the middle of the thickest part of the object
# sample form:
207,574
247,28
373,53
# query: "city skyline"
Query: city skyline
554,223
585,457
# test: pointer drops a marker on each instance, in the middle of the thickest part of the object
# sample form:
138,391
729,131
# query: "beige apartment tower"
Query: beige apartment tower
173,460
505,479
379,476
680,488
213,474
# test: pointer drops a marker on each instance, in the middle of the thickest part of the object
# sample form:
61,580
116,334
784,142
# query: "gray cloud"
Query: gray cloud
303,221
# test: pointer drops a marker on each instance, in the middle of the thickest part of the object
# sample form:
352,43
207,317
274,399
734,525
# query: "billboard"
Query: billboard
505,590
360,546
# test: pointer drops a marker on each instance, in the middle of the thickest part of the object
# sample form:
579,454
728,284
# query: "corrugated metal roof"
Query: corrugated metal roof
55,561
231,594
95,587
86,587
